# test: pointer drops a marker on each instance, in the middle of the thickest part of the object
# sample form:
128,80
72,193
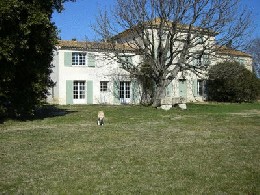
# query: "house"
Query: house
228,54
91,73
88,73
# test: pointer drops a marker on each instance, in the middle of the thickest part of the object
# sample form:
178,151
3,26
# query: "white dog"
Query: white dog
101,117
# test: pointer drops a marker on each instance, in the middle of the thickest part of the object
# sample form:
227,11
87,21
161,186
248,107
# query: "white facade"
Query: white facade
93,78
89,76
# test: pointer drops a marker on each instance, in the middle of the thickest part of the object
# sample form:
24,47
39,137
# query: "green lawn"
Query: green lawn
207,149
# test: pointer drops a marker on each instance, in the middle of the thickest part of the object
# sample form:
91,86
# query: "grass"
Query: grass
207,149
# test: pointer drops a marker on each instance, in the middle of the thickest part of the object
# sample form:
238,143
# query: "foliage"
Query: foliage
27,41
231,82
254,50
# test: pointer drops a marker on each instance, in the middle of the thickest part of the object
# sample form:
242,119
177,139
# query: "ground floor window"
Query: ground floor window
79,91
202,87
103,86
124,91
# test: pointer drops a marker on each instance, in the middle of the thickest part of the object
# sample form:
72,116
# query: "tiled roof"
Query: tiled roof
157,22
223,50
105,46
97,46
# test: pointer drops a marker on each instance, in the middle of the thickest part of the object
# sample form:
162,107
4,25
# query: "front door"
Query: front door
183,88
124,92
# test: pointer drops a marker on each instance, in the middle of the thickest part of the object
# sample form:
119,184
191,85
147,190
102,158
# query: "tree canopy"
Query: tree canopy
27,41
254,50
232,82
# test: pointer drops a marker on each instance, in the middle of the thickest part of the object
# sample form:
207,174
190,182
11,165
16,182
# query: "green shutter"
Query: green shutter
183,88
129,59
169,90
69,92
195,87
89,92
91,60
194,63
135,91
116,92
67,59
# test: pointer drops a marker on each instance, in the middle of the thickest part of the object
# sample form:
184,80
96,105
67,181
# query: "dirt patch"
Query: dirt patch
247,113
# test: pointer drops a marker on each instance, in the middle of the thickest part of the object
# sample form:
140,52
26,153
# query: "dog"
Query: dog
101,118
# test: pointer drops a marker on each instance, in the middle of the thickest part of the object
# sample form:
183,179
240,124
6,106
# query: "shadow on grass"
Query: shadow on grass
49,111
46,111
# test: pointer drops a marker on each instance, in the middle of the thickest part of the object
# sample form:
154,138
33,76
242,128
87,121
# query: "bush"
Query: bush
232,82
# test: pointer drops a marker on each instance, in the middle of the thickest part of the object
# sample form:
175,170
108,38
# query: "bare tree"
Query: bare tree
173,36
254,50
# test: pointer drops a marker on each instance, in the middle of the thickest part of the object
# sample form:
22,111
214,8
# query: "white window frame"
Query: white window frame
103,86
126,60
79,92
204,60
78,59
201,87
125,92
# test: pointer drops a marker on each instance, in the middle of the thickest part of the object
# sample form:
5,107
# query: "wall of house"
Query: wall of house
102,68
243,60
54,92
108,69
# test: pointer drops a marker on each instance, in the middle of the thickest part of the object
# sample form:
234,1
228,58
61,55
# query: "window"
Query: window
201,60
78,59
124,92
79,90
206,60
199,40
125,60
103,86
241,61
125,89
197,60
202,90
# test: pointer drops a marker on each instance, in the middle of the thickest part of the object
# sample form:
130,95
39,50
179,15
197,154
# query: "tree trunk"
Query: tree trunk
159,93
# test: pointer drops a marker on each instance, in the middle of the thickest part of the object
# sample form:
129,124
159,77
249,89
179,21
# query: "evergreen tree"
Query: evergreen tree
27,41
232,82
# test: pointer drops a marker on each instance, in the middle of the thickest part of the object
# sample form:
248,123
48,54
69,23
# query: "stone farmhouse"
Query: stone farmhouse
89,73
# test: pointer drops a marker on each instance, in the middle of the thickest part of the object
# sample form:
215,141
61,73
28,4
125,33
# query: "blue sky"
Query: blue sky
75,21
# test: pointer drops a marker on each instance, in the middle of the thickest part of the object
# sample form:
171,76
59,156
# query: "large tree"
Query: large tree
254,50
27,41
172,34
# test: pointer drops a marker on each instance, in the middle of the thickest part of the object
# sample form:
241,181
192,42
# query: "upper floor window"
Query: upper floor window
241,61
197,60
78,59
199,40
126,60
201,60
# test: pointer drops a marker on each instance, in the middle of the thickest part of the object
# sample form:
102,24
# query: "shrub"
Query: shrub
232,82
